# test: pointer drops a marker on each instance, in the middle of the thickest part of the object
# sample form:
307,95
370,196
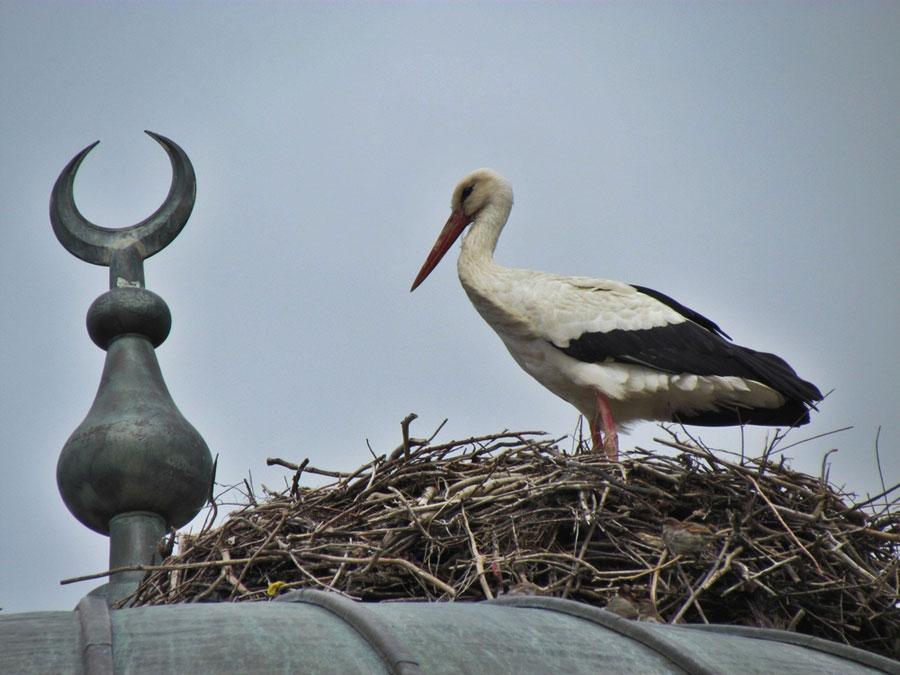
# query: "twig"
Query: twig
295,482
878,463
787,529
761,573
400,562
813,438
711,578
166,568
476,556
404,426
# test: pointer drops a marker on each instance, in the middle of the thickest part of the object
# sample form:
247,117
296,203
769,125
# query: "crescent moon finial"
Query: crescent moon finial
97,245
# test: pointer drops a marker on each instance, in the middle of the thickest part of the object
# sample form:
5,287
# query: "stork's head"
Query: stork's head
472,195
477,189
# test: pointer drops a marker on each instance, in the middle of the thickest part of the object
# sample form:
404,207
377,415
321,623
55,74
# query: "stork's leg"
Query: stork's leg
604,419
595,433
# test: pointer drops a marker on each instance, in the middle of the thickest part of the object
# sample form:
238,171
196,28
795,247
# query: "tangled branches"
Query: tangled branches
692,537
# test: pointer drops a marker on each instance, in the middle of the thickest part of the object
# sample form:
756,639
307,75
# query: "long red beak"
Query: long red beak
456,223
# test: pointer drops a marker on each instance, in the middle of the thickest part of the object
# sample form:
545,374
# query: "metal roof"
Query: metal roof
320,632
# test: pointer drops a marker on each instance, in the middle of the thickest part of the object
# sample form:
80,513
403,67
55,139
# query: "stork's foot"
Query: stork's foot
611,446
608,442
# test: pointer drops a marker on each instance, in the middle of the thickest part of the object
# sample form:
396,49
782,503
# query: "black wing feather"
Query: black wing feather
698,346
686,312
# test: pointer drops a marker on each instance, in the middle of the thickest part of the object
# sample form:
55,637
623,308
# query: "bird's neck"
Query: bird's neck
486,283
478,272
479,242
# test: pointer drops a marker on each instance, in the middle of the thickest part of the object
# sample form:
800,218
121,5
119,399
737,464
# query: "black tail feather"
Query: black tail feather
774,372
791,414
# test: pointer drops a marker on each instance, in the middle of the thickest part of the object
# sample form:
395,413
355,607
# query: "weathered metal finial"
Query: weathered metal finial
123,250
135,466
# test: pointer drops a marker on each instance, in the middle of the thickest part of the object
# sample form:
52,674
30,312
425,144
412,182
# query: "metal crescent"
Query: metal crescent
95,244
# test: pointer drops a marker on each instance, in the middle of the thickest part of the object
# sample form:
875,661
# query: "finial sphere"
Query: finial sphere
123,311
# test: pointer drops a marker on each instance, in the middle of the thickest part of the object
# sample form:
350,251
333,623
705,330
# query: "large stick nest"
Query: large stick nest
692,537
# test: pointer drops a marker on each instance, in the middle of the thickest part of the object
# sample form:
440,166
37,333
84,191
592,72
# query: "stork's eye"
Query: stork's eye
467,191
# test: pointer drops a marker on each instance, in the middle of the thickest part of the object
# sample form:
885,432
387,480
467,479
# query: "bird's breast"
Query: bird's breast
492,295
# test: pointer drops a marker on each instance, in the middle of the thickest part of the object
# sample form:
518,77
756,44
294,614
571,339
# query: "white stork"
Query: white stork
616,352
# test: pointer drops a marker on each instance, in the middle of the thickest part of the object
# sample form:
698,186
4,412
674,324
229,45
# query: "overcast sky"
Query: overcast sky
743,158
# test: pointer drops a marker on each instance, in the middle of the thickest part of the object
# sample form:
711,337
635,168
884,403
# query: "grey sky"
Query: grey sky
744,158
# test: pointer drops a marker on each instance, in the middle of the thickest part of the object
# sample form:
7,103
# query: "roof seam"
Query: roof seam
669,650
367,624
808,641
96,638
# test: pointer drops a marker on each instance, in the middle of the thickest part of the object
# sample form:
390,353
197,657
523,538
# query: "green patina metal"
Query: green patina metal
322,632
134,467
